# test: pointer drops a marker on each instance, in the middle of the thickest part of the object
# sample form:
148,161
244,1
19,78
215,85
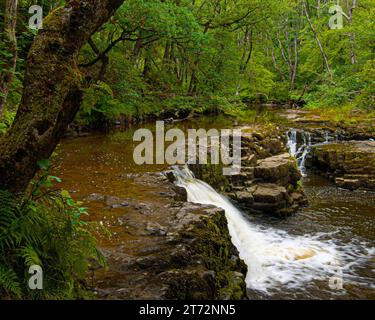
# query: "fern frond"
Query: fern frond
31,256
9,281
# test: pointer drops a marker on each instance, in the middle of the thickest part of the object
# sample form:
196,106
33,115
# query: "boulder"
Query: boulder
281,168
269,177
351,165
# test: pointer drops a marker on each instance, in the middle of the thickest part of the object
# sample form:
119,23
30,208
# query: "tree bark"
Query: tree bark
295,45
246,56
352,35
53,89
10,40
325,58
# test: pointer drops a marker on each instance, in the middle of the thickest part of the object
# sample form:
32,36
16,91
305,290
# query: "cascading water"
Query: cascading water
299,147
274,257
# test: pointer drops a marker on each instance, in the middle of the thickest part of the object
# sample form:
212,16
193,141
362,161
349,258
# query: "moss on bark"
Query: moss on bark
52,89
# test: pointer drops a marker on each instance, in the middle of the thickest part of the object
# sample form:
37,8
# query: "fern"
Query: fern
49,233
8,219
31,256
9,281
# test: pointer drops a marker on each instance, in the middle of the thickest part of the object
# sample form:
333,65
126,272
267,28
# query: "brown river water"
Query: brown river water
102,164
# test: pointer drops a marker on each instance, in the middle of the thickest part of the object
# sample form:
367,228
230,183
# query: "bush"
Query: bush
45,229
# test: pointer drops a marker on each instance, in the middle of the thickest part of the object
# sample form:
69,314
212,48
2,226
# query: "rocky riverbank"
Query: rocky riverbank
322,127
339,150
269,181
351,165
171,249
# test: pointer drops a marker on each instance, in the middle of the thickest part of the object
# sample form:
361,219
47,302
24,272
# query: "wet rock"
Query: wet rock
272,198
351,165
192,257
180,194
112,201
297,197
269,193
155,229
205,258
95,197
116,202
146,262
269,177
282,168
170,176
273,145
244,197
235,285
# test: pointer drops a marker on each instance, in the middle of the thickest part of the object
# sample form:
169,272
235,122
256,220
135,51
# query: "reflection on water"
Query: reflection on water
103,164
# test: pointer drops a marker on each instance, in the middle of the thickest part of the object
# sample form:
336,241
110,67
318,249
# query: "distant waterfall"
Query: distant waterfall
274,258
299,144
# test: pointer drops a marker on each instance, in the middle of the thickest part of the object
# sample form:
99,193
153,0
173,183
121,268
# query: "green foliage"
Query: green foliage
46,229
9,281
169,56
6,121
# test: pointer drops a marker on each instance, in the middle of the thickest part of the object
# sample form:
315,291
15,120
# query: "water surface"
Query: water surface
341,223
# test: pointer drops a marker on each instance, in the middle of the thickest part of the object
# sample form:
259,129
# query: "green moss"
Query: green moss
212,245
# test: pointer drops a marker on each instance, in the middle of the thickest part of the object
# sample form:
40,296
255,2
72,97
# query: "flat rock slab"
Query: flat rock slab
350,165
269,193
166,248
281,168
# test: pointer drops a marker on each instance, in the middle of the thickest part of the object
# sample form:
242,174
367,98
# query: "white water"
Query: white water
299,149
274,258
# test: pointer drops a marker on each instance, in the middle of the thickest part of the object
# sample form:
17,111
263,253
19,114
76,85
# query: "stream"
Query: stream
305,256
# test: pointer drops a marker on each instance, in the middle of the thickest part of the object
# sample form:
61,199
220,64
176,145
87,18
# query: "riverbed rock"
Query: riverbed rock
281,168
269,181
179,250
269,193
94,197
351,165
204,258
155,229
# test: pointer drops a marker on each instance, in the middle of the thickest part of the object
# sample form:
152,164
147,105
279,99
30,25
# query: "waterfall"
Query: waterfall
292,142
298,145
274,258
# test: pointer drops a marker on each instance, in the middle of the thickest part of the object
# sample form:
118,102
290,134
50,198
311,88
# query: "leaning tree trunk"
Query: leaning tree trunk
8,63
324,55
352,35
53,89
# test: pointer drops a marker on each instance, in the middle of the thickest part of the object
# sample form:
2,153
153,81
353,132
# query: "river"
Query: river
305,256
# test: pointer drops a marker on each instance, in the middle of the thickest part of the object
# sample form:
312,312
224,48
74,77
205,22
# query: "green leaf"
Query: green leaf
53,178
44,164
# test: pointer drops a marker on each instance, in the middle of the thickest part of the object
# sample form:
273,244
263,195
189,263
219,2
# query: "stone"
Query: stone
155,229
270,193
351,165
269,175
281,168
245,197
95,197
273,145
180,194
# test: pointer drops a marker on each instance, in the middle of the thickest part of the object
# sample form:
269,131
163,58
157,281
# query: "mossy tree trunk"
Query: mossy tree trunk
53,89
9,58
